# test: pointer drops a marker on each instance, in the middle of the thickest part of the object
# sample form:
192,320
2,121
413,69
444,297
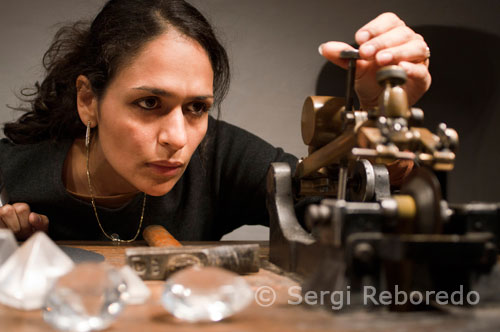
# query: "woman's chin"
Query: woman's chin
159,190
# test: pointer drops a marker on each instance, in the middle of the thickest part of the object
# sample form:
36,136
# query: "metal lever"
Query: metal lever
352,56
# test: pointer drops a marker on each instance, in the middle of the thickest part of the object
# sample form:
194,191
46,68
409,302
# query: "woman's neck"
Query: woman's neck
105,181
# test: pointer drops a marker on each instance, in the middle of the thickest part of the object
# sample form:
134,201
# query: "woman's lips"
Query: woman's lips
166,168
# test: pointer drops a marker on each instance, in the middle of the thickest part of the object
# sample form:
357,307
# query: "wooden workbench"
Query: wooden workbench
280,316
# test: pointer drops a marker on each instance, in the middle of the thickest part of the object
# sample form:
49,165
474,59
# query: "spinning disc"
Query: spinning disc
424,187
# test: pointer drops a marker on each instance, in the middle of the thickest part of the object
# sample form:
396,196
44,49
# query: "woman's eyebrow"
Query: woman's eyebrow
155,91
165,93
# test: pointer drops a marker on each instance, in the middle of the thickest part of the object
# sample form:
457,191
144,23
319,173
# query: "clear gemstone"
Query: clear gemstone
205,294
8,244
90,297
28,274
115,237
137,291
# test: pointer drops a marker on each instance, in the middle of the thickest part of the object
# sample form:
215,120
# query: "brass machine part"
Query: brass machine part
328,126
328,154
335,136
323,186
407,208
420,139
331,137
393,102
416,137
321,120
436,151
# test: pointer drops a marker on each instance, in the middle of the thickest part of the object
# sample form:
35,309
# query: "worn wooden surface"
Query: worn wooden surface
280,316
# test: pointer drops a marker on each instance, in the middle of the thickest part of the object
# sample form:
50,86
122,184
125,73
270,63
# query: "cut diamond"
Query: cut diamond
28,274
90,297
205,294
137,291
8,244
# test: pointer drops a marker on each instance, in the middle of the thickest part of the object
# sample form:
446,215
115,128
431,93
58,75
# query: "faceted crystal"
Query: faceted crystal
205,294
28,274
8,244
137,291
90,297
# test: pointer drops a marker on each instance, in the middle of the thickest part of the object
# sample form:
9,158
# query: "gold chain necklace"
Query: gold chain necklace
113,237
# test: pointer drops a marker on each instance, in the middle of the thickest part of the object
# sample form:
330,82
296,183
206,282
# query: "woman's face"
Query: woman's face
153,115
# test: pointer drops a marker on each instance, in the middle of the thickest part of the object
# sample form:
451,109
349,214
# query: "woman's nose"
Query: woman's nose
173,129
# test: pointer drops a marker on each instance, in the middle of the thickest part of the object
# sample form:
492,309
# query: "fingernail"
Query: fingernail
320,49
38,219
362,36
368,50
384,57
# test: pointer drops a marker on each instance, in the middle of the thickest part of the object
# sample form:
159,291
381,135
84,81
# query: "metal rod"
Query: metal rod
351,73
341,194
352,55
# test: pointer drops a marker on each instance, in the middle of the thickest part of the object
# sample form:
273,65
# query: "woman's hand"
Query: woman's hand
19,218
386,40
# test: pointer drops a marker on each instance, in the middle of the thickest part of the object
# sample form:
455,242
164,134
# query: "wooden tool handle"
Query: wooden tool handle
158,236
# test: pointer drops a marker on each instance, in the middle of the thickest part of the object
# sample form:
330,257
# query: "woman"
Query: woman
119,134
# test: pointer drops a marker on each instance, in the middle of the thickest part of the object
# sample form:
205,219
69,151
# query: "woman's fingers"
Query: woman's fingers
379,25
414,51
383,41
397,36
419,79
394,46
22,211
417,71
19,218
9,218
331,51
39,222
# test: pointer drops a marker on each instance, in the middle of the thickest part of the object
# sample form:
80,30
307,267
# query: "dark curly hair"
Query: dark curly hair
97,50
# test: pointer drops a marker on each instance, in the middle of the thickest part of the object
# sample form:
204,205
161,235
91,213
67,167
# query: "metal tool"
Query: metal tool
158,263
352,56
166,255
365,232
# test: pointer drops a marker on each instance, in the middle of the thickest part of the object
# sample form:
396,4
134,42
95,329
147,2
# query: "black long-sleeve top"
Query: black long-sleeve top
223,188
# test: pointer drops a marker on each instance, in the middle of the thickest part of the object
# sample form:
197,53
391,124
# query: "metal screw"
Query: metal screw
364,252
317,215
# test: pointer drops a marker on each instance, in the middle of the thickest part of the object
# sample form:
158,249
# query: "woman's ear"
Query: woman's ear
86,101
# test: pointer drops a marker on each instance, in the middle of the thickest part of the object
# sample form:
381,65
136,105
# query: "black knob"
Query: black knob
394,74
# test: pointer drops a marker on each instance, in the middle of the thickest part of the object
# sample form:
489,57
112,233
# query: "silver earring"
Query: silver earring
87,135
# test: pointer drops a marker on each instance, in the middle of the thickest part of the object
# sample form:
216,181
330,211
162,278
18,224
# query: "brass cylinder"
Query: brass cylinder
329,154
406,206
395,102
321,120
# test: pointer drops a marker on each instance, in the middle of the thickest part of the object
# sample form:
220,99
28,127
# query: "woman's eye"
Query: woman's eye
198,108
149,103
